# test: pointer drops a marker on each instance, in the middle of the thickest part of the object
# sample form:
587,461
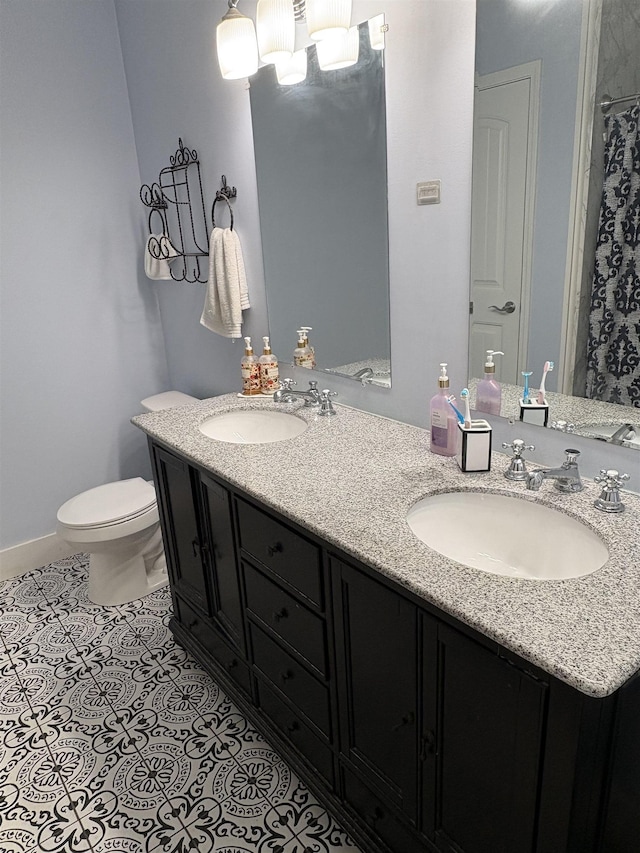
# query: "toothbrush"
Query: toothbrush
525,396
467,412
542,400
451,400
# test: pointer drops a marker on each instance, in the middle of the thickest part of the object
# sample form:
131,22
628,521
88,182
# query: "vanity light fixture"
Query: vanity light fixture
293,70
276,29
236,44
328,18
339,51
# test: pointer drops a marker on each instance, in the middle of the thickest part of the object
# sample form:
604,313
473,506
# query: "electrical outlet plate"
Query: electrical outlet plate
428,192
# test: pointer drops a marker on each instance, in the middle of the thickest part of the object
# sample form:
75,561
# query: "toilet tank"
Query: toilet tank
167,400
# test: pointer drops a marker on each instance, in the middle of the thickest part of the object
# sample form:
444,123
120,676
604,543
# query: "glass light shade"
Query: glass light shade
236,46
276,27
327,17
339,51
376,32
292,70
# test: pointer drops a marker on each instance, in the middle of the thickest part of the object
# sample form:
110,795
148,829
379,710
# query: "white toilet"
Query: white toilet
118,526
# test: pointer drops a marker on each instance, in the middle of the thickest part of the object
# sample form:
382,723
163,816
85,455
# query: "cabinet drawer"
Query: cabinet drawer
286,553
378,816
226,658
282,670
296,731
290,620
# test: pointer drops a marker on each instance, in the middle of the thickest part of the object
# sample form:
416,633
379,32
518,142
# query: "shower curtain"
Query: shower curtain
613,354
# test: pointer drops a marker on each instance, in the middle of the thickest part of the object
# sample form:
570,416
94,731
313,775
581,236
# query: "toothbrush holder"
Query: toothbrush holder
534,413
474,447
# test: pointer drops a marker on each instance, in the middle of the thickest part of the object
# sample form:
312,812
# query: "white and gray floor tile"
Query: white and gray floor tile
114,740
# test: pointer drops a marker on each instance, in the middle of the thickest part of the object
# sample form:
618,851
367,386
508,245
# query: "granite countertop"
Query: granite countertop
350,479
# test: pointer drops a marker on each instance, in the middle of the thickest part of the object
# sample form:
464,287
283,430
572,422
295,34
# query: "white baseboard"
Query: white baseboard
26,556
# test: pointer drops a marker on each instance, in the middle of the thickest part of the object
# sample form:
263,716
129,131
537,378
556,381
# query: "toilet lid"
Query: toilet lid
108,504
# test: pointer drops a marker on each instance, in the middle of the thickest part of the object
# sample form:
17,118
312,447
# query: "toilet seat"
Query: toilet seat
109,505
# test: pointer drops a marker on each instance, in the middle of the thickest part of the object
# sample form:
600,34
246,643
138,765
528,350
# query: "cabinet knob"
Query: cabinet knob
280,614
407,720
293,727
286,675
374,816
232,664
274,549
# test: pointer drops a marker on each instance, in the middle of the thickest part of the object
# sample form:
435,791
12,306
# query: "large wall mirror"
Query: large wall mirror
321,164
542,70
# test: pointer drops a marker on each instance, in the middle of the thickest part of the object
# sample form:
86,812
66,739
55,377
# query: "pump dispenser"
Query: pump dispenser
250,371
489,392
302,353
444,425
268,369
312,352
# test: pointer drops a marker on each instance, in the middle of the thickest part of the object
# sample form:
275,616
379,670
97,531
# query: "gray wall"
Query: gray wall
81,341
511,33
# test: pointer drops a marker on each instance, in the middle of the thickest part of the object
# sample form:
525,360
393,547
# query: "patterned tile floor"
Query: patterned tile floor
114,740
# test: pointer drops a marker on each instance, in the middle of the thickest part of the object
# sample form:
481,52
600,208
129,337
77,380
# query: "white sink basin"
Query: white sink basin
253,426
507,536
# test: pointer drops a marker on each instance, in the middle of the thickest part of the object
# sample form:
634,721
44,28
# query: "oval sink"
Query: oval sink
507,536
253,426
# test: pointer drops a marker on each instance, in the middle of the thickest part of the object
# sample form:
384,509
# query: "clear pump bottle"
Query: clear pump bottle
250,371
269,373
489,392
444,424
312,352
302,354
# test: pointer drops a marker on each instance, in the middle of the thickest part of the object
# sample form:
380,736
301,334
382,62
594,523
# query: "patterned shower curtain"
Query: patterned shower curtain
613,355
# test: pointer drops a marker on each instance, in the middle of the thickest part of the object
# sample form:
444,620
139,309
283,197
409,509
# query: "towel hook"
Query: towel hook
220,197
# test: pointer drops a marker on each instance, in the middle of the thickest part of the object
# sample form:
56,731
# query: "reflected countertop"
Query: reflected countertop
351,479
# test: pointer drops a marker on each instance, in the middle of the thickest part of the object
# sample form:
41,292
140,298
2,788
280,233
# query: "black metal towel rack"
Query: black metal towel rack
177,216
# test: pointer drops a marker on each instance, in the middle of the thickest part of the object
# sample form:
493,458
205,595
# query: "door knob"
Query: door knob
507,308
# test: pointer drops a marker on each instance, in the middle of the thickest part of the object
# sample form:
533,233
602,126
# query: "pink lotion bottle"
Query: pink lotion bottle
489,392
444,425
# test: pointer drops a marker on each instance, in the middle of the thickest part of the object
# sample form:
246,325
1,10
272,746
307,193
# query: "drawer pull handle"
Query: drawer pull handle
192,624
272,550
407,720
286,675
428,745
195,547
280,614
232,664
374,816
293,727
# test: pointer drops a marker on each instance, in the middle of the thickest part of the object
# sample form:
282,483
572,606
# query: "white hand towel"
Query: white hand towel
227,294
158,268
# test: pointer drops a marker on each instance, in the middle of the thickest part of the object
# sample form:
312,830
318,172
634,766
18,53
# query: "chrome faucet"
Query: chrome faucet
365,375
624,433
285,394
567,477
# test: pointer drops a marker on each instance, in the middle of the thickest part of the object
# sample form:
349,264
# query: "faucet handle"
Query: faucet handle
609,500
287,384
313,384
517,469
326,406
563,426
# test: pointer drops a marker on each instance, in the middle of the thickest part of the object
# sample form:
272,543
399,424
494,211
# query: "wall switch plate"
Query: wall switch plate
428,192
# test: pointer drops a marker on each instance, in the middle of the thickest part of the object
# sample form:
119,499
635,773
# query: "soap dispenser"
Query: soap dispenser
489,393
268,369
250,371
312,352
302,354
444,424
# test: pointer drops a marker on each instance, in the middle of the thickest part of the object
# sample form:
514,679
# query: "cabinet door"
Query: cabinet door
377,663
223,570
177,502
488,750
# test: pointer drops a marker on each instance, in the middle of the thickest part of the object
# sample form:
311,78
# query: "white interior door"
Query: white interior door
505,134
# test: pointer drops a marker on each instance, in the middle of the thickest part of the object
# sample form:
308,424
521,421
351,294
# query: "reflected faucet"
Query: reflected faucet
365,375
625,432
567,477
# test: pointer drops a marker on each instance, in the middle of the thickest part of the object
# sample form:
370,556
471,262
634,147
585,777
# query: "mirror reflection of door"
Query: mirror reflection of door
504,164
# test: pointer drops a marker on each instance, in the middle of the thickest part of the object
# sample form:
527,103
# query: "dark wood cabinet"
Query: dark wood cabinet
420,734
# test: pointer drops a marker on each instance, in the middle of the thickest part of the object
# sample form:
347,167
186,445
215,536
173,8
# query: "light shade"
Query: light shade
327,17
236,46
377,30
292,70
276,27
339,51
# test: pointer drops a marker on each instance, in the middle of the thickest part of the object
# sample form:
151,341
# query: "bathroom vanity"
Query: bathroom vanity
428,705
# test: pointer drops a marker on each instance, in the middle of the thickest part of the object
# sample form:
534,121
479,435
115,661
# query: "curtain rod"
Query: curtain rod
607,101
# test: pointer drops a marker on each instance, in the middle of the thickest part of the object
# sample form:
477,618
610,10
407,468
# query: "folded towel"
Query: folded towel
227,295
158,268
